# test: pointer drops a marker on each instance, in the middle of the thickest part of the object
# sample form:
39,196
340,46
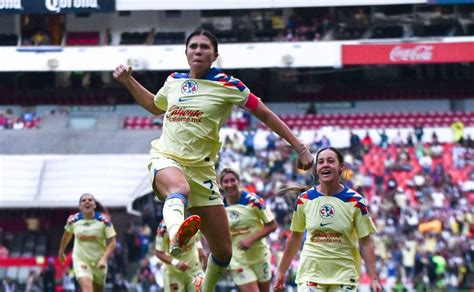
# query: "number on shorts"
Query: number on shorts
265,268
211,186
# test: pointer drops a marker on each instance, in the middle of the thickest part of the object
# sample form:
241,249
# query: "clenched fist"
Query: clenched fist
305,158
122,73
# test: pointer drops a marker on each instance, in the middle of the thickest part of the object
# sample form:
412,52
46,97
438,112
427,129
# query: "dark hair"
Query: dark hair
206,33
98,205
339,155
228,170
303,188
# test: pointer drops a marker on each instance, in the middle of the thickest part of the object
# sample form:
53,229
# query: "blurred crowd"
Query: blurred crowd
420,196
27,119
424,220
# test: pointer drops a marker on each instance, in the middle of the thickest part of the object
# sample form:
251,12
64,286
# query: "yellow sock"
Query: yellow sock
213,273
173,213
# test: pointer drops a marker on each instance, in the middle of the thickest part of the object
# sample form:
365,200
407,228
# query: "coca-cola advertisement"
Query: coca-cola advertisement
407,53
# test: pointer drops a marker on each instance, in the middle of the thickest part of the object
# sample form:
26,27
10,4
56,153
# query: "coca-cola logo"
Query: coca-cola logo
417,53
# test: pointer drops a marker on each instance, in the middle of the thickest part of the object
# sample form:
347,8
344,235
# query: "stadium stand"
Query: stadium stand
420,191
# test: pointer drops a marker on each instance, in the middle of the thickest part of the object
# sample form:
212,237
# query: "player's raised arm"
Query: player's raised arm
144,97
269,118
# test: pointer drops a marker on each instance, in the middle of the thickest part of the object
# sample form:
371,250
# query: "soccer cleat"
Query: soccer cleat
186,231
197,281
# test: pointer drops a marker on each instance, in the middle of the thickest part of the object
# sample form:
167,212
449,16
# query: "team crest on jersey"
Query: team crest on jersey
326,211
189,87
233,215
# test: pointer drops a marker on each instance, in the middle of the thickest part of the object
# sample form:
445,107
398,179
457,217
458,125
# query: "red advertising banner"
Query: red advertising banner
407,53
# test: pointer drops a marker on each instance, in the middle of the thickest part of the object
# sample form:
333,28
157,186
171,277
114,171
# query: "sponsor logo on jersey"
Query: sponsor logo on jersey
179,114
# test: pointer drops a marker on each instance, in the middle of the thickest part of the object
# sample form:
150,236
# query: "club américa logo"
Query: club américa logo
189,87
326,211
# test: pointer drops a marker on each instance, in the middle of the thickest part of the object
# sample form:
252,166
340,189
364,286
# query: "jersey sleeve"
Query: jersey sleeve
264,212
69,227
237,92
298,220
109,227
362,221
110,231
161,97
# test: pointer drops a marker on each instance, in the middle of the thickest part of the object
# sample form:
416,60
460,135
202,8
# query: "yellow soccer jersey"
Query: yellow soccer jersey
333,226
196,109
245,218
89,236
189,255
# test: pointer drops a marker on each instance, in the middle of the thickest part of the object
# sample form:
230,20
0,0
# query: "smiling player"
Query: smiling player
335,218
94,241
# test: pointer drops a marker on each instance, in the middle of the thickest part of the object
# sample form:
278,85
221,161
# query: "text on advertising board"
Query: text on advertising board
56,6
409,53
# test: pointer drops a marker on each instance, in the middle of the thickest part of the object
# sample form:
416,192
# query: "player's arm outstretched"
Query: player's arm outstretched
144,97
291,248
270,119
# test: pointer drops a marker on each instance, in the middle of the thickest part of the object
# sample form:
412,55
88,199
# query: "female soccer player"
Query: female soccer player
180,273
94,241
334,217
250,222
196,104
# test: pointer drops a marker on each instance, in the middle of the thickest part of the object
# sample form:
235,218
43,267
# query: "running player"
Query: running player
250,223
94,241
196,105
335,218
180,273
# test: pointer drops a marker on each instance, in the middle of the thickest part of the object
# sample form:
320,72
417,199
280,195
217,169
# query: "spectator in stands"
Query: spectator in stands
18,124
325,142
8,285
419,133
94,241
150,37
355,144
383,139
134,252
107,37
3,251
183,158
3,121
49,277
312,109
40,38
10,118
334,218
33,283
250,223
180,273
367,142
